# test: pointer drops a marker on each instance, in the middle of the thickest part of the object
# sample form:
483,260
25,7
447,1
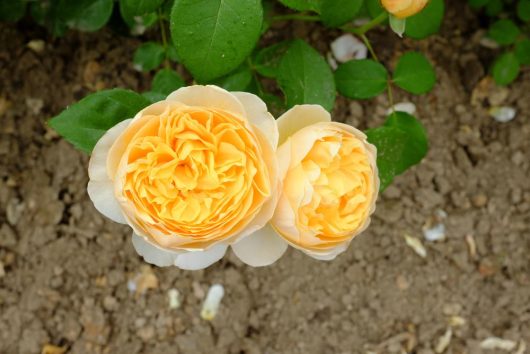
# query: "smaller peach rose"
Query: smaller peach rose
329,182
404,8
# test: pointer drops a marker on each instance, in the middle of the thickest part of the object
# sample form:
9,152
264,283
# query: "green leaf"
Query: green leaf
506,68
522,51
303,5
12,10
504,32
141,7
268,59
137,24
238,80
374,7
335,13
494,8
86,121
427,22
361,79
477,4
214,37
304,76
154,97
401,143
414,73
148,56
86,15
523,10
172,53
166,81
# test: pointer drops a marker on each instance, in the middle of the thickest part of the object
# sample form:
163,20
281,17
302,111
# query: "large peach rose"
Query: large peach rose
330,182
404,8
191,175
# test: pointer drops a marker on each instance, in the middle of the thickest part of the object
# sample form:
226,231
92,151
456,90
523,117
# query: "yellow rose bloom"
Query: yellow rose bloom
404,8
191,175
330,182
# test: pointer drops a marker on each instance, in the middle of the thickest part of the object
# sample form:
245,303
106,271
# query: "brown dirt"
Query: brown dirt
67,267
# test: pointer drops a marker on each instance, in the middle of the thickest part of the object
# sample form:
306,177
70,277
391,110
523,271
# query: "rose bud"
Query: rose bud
404,8
329,182
192,175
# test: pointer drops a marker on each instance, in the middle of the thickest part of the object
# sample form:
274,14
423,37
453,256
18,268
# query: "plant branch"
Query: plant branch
163,35
369,46
368,26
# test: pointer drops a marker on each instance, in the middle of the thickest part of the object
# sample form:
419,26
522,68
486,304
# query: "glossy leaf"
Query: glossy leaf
238,80
414,73
305,77
86,15
166,81
522,51
84,122
523,10
303,5
401,143
12,10
267,59
141,7
335,13
361,79
504,32
214,37
427,22
506,68
148,56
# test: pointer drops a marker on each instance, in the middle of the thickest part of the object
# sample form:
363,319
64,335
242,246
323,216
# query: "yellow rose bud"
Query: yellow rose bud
191,175
330,182
404,8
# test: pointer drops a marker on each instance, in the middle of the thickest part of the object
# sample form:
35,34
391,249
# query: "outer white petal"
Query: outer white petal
262,248
299,117
102,195
259,116
100,187
189,260
208,97
152,253
200,259
97,167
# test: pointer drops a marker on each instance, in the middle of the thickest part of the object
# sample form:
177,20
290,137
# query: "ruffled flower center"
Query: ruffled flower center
195,172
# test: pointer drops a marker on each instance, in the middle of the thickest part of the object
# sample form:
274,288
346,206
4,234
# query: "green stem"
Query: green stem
369,46
164,38
299,17
390,95
368,26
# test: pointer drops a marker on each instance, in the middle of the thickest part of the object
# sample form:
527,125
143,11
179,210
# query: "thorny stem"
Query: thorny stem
164,37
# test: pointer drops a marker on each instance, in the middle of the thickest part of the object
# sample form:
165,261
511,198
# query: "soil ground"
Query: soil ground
66,269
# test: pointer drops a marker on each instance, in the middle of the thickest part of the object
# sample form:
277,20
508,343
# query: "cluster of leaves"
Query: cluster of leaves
510,29
217,42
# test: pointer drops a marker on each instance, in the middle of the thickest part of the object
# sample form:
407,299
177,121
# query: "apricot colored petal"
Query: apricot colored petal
208,97
300,117
97,167
261,248
259,116
102,195
152,253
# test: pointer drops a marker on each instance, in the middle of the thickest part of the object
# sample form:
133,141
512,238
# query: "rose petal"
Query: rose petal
260,249
152,253
208,97
102,195
97,167
189,260
200,259
299,117
259,116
